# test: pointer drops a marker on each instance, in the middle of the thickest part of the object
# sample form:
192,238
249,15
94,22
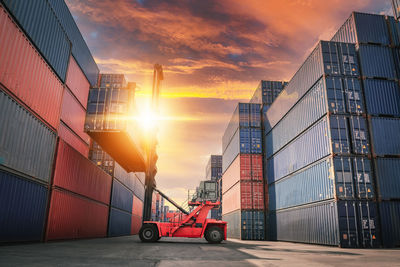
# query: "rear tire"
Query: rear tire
148,233
214,235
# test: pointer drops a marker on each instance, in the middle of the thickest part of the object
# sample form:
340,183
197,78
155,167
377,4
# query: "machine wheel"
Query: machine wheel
148,233
214,235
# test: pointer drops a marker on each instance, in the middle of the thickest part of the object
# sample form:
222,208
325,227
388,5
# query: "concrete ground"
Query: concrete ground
129,251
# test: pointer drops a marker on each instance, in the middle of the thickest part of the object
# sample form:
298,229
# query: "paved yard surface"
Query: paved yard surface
129,251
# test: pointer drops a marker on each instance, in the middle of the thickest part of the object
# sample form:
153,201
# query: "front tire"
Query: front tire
149,233
214,235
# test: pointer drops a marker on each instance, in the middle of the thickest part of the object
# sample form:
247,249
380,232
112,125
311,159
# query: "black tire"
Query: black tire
214,235
148,233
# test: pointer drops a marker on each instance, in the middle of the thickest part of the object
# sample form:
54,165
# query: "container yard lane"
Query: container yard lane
129,251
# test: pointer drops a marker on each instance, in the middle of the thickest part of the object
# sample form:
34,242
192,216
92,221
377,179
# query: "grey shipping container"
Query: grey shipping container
328,58
396,8
80,50
363,28
390,220
376,61
336,95
335,134
26,144
22,207
382,97
331,178
385,136
337,223
40,24
388,178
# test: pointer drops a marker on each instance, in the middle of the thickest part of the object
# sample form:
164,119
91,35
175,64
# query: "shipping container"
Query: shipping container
26,75
328,58
363,28
244,195
336,95
78,174
267,91
396,8
26,144
331,178
77,82
390,220
127,179
376,61
121,197
65,133
385,136
110,122
137,207
72,216
387,178
245,225
136,224
120,223
22,207
80,49
214,167
99,157
342,135
73,115
338,223
394,30
139,189
234,224
396,55
40,24
382,97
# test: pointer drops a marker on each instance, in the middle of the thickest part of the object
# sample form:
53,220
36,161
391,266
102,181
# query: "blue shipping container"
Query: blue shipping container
39,22
388,177
329,58
396,8
121,197
252,225
390,219
382,97
376,61
80,50
119,223
394,31
339,223
22,207
363,28
385,136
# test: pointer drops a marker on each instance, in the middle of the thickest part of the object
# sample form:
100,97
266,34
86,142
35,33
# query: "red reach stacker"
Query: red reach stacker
192,225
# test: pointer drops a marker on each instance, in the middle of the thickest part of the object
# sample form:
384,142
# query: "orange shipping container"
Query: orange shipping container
73,140
77,82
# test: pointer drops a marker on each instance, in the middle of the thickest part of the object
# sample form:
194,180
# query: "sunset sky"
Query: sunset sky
214,53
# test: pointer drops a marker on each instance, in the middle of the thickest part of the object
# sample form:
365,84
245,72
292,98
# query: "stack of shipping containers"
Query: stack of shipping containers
242,178
214,173
107,100
377,42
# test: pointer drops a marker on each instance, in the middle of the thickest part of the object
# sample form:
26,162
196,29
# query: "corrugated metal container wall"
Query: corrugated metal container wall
364,29
394,31
120,223
34,156
73,115
73,140
382,97
77,82
396,8
231,199
234,224
240,118
139,189
22,207
127,179
232,174
385,136
142,176
137,207
121,197
136,224
71,216
26,74
41,25
376,61
80,49
252,225
327,58
387,178
79,175
390,219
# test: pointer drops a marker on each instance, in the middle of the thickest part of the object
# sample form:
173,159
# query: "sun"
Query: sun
147,119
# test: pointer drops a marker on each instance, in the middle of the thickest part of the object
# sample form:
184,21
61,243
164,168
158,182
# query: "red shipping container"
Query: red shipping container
73,115
73,140
26,75
77,82
78,174
136,224
257,167
137,207
72,216
245,167
258,195
246,195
